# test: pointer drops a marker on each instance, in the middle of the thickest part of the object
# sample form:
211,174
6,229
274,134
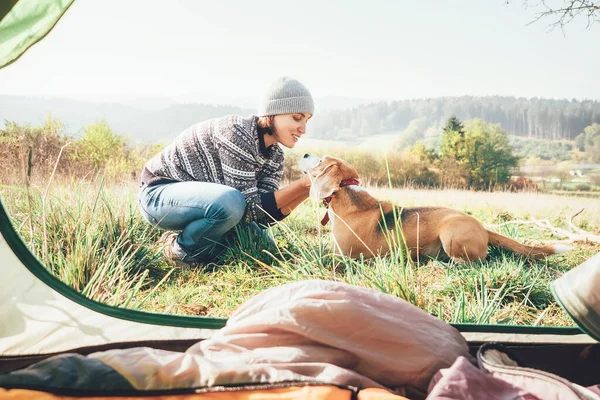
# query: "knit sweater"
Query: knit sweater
227,151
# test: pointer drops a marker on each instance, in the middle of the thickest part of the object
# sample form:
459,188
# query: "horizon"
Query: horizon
366,101
370,52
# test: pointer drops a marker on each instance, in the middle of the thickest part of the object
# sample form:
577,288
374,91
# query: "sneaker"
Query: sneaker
167,241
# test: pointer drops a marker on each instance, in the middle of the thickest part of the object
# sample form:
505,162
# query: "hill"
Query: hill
340,118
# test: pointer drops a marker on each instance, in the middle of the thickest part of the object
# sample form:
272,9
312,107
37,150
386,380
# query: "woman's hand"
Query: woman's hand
305,181
292,195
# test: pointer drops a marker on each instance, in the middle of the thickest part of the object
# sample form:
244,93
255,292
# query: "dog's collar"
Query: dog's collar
326,200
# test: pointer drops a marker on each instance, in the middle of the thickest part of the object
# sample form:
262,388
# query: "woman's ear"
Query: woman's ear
326,183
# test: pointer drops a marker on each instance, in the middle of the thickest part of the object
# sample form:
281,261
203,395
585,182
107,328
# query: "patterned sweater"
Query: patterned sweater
227,151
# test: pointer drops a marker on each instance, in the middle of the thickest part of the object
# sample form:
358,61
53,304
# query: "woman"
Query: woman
226,171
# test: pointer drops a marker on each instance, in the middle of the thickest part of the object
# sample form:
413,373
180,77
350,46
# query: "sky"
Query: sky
210,50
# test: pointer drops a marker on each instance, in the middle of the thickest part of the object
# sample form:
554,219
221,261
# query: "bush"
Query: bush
32,153
583,187
595,179
522,183
404,167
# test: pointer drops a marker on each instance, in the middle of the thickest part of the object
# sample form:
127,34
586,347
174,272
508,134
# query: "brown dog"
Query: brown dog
364,225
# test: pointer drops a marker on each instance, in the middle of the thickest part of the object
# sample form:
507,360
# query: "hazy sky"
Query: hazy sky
376,49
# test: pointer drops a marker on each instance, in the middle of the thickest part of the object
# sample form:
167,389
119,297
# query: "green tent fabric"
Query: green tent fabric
23,23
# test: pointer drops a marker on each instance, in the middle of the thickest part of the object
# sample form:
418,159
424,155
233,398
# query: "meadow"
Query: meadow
91,236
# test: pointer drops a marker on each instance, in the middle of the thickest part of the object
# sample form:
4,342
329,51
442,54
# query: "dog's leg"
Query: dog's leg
464,243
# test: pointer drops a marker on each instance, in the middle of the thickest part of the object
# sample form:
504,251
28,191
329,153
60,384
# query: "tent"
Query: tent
40,316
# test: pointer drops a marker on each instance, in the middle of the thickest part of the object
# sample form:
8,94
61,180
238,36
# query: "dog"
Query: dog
361,224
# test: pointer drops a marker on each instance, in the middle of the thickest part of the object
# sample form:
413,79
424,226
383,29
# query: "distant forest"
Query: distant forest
533,118
411,120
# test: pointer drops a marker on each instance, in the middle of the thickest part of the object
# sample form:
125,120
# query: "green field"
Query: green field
92,237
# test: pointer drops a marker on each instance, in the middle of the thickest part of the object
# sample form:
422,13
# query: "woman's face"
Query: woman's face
288,128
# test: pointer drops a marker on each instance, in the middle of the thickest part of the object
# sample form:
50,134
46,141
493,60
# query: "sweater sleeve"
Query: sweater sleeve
237,152
268,183
270,206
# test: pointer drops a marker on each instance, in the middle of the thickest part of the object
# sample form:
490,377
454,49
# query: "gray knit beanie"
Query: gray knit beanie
286,96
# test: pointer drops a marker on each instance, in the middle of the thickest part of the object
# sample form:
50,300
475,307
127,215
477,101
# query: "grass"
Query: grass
92,237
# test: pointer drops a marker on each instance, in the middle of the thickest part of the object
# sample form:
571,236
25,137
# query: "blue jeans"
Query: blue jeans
204,212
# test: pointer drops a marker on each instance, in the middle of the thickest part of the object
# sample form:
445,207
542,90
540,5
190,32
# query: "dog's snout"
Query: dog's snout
307,162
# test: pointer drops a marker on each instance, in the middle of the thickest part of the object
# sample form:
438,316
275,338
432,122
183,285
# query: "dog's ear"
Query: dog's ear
326,183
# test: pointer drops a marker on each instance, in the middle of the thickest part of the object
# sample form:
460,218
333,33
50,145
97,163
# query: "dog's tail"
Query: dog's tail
495,239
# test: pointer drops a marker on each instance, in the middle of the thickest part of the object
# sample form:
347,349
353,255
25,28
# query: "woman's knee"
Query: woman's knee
233,205
143,204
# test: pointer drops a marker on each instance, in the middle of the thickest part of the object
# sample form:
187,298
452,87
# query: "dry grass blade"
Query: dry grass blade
575,235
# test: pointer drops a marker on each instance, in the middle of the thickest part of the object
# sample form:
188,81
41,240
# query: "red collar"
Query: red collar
326,200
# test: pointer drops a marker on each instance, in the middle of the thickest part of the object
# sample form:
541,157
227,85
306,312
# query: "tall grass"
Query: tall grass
90,238
93,238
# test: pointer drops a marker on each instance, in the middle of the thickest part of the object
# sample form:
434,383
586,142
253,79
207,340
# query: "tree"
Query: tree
453,124
562,173
453,140
99,144
422,153
482,150
489,155
564,13
589,142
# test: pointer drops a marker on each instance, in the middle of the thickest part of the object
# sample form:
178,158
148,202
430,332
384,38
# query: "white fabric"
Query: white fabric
311,330
35,319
